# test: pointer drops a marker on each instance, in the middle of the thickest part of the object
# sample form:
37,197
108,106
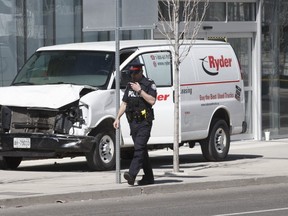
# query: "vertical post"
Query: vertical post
256,77
1,71
274,76
176,89
117,80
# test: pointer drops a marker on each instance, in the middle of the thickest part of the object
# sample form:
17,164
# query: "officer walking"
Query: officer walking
139,97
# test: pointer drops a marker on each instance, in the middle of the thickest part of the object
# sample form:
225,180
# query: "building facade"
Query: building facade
257,30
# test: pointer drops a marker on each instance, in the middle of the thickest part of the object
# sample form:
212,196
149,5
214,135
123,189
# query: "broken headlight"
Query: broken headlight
68,119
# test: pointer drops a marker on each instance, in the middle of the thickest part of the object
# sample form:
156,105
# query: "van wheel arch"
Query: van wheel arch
103,153
216,146
221,114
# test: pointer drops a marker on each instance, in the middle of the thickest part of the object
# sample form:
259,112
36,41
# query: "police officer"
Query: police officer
139,97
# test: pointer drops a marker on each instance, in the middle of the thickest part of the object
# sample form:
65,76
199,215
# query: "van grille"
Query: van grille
27,120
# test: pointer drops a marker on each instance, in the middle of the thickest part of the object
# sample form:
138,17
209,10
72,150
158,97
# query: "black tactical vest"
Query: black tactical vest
136,105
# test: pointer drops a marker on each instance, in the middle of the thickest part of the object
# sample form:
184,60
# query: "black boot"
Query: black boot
130,179
146,181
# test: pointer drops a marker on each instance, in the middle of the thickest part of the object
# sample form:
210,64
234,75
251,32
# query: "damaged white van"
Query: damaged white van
62,102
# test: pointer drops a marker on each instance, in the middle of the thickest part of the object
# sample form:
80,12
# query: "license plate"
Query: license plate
22,143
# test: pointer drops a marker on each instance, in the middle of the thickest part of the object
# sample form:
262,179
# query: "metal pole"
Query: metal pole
117,66
1,71
256,77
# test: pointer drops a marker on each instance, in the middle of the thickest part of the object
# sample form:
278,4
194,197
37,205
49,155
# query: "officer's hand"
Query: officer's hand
116,123
135,86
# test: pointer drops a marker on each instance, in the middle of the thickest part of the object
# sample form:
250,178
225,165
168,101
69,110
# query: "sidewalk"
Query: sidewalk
64,180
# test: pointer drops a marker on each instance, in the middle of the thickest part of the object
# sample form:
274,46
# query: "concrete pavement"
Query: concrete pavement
65,180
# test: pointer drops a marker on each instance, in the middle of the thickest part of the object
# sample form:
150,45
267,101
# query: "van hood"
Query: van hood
48,96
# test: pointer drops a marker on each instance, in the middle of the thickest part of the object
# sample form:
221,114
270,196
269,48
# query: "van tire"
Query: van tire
216,146
10,163
102,156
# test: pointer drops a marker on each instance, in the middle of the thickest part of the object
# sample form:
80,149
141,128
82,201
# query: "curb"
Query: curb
137,190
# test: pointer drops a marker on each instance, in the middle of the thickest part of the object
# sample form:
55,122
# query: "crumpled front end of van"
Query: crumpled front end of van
45,121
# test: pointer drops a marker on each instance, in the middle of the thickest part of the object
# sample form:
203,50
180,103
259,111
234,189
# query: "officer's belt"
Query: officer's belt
138,116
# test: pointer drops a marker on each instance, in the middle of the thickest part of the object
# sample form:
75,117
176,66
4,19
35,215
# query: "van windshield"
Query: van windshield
72,67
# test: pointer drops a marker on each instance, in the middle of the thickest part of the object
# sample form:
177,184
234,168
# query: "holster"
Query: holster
139,116
129,116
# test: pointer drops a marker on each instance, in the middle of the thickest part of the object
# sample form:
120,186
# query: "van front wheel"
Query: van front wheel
102,156
216,146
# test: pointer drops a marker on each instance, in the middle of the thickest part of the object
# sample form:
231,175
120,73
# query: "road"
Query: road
264,200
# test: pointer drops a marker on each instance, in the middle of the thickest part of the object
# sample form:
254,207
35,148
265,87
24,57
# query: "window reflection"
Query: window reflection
241,11
274,68
216,12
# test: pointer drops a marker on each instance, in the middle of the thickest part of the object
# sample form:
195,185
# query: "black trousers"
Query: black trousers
140,133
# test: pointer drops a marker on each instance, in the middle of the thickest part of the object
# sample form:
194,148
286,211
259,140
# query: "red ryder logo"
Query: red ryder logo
215,64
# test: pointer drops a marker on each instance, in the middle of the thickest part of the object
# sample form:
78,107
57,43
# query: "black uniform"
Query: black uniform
140,116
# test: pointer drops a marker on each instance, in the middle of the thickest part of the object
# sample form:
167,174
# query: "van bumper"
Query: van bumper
42,145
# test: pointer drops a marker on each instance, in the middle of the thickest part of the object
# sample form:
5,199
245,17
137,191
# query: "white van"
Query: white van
62,102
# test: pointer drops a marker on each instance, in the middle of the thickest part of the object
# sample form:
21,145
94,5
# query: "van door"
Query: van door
158,67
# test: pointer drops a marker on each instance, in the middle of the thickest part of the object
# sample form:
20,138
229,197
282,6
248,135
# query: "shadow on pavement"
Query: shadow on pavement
184,160
80,166
233,157
167,181
158,162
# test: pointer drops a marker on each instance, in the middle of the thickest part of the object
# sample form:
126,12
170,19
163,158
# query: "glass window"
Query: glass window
35,30
241,11
80,68
243,50
274,68
158,67
216,11
8,44
67,21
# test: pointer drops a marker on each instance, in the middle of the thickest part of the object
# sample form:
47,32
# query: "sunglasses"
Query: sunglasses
130,72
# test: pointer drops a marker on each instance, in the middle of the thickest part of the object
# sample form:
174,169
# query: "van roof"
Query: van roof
110,45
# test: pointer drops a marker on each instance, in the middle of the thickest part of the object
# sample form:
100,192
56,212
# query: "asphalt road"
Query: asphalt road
264,200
